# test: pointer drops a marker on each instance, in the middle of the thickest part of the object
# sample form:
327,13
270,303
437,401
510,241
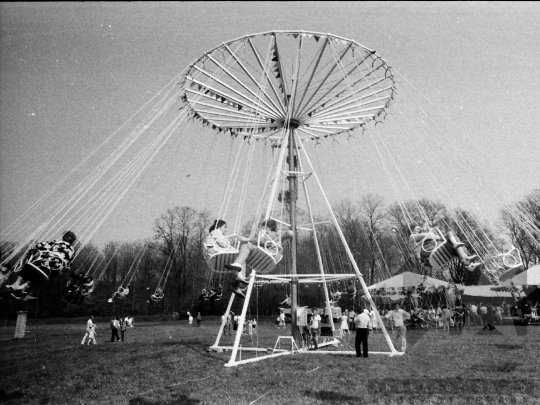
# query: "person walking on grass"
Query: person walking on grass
345,325
281,320
315,328
123,328
489,318
92,334
482,311
199,319
459,315
498,314
89,325
446,315
398,316
362,323
190,319
115,326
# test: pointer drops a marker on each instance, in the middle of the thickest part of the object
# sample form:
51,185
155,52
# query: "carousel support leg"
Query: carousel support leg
241,321
229,306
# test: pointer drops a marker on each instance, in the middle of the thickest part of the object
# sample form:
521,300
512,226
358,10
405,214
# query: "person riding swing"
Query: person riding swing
268,239
122,293
424,240
45,261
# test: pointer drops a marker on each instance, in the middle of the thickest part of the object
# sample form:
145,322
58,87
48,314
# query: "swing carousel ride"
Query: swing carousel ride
280,95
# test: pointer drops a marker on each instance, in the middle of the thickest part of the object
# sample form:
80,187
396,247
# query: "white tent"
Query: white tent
484,291
408,279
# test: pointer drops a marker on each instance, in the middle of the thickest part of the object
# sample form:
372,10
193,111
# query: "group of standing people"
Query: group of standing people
120,325
365,322
198,319
231,321
117,325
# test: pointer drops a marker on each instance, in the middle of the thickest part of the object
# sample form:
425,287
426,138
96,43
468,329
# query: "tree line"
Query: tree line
377,235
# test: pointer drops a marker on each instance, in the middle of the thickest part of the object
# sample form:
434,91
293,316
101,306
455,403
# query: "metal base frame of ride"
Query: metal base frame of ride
236,350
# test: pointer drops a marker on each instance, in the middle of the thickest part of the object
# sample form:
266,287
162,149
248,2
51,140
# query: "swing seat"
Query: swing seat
511,259
267,255
441,255
437,237
34,273
86,292
156,298
217,256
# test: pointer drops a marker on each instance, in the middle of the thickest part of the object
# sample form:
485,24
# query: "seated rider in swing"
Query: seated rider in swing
121,293
217,234
423,241
72,286
157,295
205,294
269,234
217,238
218,291
351,289
87,285
215,294
45,261
336,296
287,301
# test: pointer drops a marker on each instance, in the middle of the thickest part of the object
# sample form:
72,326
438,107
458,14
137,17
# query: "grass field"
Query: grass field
166,362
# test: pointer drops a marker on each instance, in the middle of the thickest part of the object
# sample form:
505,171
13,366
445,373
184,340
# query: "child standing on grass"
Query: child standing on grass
89,324
345,325
92,334
190,319
115,326
122,329
446,315
199,319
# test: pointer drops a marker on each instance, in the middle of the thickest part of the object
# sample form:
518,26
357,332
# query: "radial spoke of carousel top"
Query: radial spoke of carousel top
279,108
319,84
265,69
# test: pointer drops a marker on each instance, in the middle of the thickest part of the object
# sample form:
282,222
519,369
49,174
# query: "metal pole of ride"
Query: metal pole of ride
293,186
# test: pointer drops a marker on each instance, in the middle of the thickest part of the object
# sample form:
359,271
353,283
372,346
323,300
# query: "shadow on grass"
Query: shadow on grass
506,367
331,396
192,342
506,346
179,399
4,396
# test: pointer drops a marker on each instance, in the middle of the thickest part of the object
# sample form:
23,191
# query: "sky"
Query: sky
73,73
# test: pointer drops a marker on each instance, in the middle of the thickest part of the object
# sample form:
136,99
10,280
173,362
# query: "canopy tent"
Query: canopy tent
408,279
485,291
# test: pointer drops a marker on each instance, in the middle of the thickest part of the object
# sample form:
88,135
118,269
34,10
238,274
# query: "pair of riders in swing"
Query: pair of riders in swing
80,286
424,240
268,239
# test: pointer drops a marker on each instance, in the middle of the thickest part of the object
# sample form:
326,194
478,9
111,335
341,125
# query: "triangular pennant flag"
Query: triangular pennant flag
317,38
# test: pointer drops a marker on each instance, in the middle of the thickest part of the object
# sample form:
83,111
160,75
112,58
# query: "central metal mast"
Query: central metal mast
292,177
